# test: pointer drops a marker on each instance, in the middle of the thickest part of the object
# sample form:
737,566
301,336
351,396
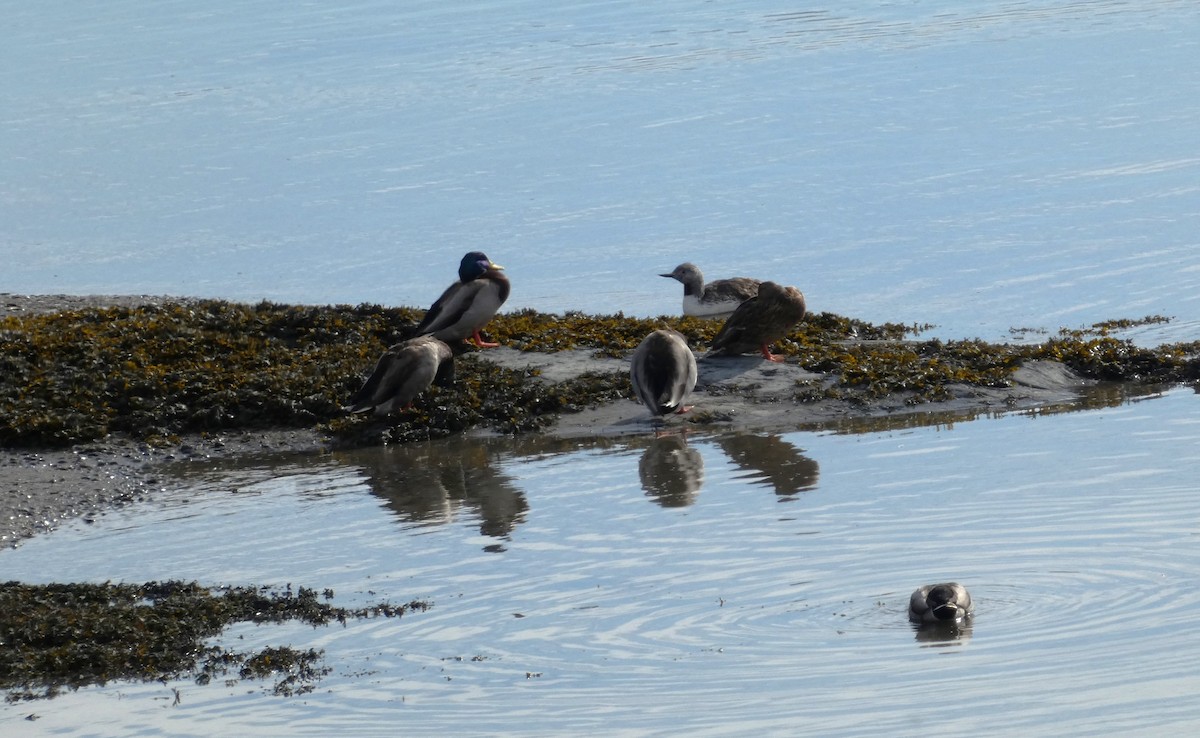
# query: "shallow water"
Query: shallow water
981,166
726,584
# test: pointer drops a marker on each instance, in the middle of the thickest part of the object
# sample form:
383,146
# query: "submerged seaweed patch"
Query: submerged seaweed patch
56,636
157,372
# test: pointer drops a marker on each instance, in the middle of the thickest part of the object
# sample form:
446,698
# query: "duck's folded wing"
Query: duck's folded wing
731,334
365,398
403,372
436,317
681,375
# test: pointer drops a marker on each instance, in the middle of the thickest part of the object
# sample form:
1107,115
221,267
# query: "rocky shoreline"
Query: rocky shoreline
40,488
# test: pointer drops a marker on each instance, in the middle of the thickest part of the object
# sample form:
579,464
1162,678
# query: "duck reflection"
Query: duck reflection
432,482
773,462
671,471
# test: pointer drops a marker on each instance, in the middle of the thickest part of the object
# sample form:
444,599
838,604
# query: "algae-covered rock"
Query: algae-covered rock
158,371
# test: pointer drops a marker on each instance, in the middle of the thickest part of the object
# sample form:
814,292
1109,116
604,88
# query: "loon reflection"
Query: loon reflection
935,635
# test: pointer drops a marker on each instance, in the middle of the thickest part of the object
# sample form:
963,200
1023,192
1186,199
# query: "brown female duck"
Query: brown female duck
760,321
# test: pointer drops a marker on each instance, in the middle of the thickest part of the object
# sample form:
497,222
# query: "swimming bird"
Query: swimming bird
403,372
713,300
940,603
760,321
467,305
663,372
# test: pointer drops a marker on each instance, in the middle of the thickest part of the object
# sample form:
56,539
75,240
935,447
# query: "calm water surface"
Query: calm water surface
978,165
726,584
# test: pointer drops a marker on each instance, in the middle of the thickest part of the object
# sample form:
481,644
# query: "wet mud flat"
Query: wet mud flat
42,488
746,393
167,379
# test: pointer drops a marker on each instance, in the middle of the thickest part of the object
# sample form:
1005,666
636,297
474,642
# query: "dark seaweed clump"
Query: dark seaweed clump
57,636
927,371
157,372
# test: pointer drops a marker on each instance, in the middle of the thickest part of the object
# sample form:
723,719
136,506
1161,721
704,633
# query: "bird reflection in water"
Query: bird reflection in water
433,482
942,635
671,471
771,461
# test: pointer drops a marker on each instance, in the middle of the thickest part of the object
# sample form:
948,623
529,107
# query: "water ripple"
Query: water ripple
603,606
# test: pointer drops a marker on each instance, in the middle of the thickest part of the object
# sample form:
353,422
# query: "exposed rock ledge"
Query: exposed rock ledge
41,488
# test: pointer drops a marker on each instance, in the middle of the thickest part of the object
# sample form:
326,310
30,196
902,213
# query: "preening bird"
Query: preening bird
663,372
467,305
760,321
403,372
713,300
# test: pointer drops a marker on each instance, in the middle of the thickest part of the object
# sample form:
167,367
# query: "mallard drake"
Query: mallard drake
760,321
403,372
940,603
467,305
713,300
663,372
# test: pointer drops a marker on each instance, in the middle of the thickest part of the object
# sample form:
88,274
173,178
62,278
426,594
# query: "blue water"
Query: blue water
576,590
982,166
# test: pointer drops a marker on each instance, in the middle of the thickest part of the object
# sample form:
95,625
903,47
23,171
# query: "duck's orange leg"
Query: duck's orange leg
766,352
478,341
